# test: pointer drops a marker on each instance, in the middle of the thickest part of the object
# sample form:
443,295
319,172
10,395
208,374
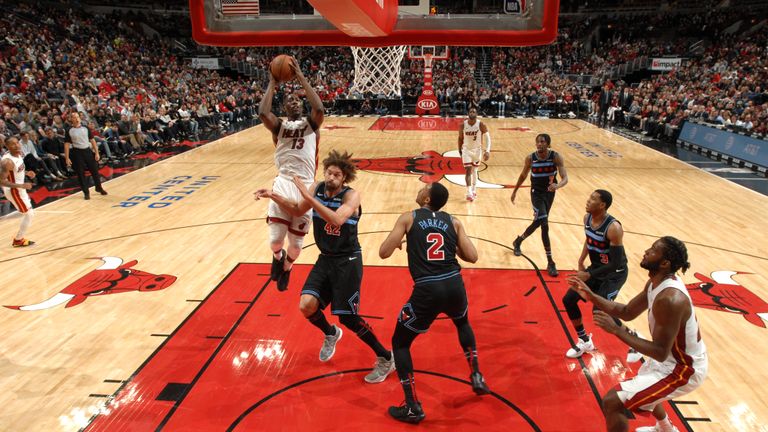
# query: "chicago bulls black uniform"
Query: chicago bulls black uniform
543,173
438,286
598,246
336,276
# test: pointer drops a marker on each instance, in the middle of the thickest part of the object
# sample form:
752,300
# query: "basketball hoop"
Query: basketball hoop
377,70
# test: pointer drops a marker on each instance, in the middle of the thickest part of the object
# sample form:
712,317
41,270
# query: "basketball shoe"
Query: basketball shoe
381,369
478,384
581,348
329,345
407,413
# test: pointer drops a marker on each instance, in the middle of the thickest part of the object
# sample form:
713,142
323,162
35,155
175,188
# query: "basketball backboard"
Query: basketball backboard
244,23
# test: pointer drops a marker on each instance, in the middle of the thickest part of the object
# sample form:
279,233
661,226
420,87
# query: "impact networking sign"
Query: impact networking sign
732,144
666,64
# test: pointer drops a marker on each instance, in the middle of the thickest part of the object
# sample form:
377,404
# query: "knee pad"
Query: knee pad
403,338
277,233
571,303
295,242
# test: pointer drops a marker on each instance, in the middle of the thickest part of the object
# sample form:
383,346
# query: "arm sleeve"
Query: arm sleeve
616,256
487,141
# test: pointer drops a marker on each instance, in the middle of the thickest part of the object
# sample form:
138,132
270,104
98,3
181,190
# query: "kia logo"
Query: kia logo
427,123
427,104
427,92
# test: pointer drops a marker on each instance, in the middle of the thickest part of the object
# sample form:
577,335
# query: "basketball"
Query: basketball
280,68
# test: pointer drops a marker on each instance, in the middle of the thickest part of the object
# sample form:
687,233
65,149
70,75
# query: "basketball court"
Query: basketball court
151,308
180,329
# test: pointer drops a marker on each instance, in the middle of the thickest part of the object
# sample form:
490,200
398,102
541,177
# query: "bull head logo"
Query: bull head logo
112,277
430,166
720,292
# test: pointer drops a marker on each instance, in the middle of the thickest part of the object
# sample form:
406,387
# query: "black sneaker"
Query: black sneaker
282,281
551,269
277,266
516,244
478,384
406,413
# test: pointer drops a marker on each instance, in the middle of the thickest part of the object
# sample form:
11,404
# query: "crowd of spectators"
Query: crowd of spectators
138,94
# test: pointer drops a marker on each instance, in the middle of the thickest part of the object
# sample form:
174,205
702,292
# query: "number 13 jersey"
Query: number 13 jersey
431,247
296,150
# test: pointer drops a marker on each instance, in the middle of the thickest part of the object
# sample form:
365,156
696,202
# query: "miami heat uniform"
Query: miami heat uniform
680,373
471,149
295,155
17,196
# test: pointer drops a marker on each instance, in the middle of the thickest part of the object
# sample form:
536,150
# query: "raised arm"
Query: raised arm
521,178
395,238
318,111
465,248
270,120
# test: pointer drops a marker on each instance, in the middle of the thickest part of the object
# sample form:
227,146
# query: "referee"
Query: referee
80,145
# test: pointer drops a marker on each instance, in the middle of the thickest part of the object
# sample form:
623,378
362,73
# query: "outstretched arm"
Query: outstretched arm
348,207
521,178
270,120
670,309
294,208
395,238
624,312
318,111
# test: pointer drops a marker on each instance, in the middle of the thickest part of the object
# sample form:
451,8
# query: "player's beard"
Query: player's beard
653,267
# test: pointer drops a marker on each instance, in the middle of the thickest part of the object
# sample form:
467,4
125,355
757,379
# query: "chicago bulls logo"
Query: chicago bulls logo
720,292
429,165
113,277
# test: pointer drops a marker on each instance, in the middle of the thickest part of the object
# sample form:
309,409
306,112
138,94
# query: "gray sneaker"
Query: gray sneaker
381,370
329,345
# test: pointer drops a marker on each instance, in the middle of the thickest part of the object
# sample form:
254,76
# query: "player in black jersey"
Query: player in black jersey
434,239
336,276
544,165
607,271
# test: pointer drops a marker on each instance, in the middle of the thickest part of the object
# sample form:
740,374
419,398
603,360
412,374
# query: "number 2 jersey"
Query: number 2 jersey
296,149
432,242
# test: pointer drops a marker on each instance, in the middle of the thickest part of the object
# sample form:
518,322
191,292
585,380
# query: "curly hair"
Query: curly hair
342,162
677,254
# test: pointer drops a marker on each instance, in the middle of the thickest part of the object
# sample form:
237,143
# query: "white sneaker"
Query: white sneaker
329,345
381,369
470,197
581,348
655,428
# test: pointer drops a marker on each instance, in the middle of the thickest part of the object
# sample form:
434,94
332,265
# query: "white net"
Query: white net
377,70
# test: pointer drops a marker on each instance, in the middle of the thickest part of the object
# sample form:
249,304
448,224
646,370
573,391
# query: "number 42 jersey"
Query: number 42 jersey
432,242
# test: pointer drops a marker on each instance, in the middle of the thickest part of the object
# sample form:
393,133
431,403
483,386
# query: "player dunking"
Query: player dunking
544,165
471,151
434,240
296,141
677,363
607,271
336,277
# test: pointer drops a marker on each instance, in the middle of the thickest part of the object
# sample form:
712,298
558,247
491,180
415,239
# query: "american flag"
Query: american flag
240,7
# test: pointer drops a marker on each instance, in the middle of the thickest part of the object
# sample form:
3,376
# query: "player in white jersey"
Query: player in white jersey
12,173
677,362
471,151
296,140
